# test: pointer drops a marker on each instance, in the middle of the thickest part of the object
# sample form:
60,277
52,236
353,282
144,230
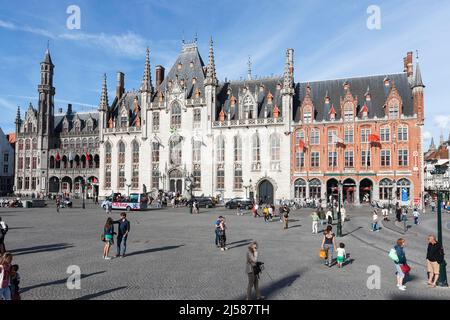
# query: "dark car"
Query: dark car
203,202
233,203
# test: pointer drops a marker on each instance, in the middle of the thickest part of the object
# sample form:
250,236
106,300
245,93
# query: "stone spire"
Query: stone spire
146,85
104,104
211,78
18,115
418,80
249,71
288,78
432,145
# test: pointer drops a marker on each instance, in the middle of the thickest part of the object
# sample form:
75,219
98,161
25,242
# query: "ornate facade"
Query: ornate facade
56,153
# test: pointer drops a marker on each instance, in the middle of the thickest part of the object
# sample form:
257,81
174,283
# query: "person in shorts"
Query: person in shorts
435,256
340,255
108,237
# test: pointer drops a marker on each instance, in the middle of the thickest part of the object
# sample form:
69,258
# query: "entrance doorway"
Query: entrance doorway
265,192
349,187
332,190
176,181
365,191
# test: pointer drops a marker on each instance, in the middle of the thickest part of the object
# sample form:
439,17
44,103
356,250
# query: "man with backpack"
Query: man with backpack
3,231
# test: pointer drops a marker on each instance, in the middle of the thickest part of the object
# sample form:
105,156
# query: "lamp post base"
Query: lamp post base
442,281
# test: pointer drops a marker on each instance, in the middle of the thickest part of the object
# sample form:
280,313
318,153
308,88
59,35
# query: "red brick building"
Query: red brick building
363,134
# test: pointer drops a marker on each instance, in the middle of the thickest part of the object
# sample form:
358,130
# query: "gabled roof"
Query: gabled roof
358,87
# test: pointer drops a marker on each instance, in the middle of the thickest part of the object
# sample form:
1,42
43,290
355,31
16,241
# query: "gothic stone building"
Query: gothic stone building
55,153
362,135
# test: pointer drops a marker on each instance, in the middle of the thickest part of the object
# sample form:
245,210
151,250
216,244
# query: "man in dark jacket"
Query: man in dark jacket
435,256
122,235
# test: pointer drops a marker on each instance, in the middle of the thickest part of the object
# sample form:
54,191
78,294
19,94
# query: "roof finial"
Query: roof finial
211,78
249,71
196,37
417,55
147,79
104,104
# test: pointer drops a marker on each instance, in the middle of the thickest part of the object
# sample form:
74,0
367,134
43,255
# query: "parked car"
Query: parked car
233,203
203,202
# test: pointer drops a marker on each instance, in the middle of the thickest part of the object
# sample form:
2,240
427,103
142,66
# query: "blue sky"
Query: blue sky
330,38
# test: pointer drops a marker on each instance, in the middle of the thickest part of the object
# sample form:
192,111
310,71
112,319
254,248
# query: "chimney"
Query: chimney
405,65
69,108
159,76
409,64
120,87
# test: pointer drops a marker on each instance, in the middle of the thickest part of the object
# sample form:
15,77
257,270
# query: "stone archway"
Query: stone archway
365,191
332,189
176,181
53,185
266,192
349,191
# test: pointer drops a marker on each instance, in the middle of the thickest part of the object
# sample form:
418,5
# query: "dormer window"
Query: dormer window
346,85
191,64
194,80
393,109
307,116
348,112
248,107
179,66
77,127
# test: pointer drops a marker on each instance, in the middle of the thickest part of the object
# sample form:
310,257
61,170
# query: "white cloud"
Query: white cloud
7,25
442,121
6,104
427,135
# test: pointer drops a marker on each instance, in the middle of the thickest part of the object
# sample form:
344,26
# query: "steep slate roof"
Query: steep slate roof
358,88
128,100
236,87
188,54
58,120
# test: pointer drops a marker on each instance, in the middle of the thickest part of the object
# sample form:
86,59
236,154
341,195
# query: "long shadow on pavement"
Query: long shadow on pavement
276,286
44,248
100,293
348,233
235,242
154,250
56,282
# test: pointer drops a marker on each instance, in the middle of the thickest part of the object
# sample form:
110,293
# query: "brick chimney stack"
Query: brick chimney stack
409,64
159,76
120,87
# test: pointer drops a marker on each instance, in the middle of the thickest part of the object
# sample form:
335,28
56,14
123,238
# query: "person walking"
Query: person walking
315,222
329,217
322,216
108,237
285,217
238,209
343,216
271,208
256,208
416,215
375,221
397,254
250,267
3,231
266,214
329,244
217,230
5,276
122,236
435,256
340,255
58,204
223,235
398,213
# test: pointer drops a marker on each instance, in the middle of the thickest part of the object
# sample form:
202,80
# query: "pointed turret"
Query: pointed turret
146,85
249,71
211,78
418,79
18,114
432,145
47,57
104,104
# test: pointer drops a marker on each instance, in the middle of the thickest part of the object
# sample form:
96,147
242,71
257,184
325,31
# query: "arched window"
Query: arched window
403,189
52,162
175,151
27,144
20,144
315,189
220,149
34,144
402,133
175,115
248,108
275,147
108,152
315,136
30,127
135,152
256,148
72,143
300,189
155,152
386,187
197,151
307,115
66,144
91,143
237,149
121,148
78,143
394,109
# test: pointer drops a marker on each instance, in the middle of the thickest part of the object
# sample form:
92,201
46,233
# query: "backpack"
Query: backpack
393,255
5,229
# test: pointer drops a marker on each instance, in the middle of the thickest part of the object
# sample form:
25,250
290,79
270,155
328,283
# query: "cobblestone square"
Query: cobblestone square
171,255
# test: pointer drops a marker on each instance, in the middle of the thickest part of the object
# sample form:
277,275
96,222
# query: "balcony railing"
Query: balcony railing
122,129
248,122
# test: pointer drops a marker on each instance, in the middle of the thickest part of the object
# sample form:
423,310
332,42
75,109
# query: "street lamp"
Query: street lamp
247,187
83,188
188,180
339,224
442,281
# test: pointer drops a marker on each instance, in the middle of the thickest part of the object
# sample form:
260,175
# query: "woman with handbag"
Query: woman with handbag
251,263
222,233
401,266
108,237
328,244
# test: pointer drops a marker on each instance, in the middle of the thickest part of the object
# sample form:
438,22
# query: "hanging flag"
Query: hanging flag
339,142
71,156
301,144
374,138
88,156
58,157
